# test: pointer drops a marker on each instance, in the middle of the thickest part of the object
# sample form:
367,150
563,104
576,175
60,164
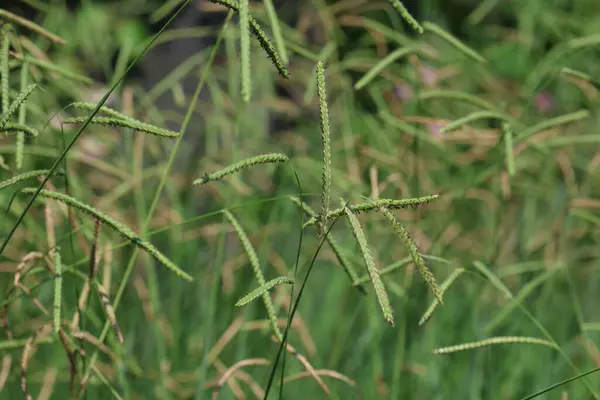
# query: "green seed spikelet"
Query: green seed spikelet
380,292
233,168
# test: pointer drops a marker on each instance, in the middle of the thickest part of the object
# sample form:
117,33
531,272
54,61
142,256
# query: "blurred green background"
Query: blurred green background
533,233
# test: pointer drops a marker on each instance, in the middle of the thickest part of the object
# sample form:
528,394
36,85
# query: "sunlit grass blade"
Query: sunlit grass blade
4,14
113,224
233,168
259,291
493,341
380,291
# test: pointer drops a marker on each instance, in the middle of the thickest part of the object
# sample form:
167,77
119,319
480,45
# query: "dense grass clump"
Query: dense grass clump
352,199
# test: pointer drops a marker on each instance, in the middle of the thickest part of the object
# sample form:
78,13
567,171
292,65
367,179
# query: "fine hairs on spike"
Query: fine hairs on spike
251,253
380,292
114,224
264,41
443,287
259,291
15,105
245,53
414,252
375,204
326,143
20,152
337,250
233,168
397,4
58,268
126,123
4,70
492,341
437,30
22,177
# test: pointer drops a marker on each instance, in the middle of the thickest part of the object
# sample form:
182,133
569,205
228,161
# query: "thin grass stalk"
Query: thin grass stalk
443,287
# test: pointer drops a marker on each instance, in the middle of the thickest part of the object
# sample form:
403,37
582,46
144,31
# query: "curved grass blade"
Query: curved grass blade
115,225
233,168
58,271
381,65
31,26
455,42
492,341
552,123
259,291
